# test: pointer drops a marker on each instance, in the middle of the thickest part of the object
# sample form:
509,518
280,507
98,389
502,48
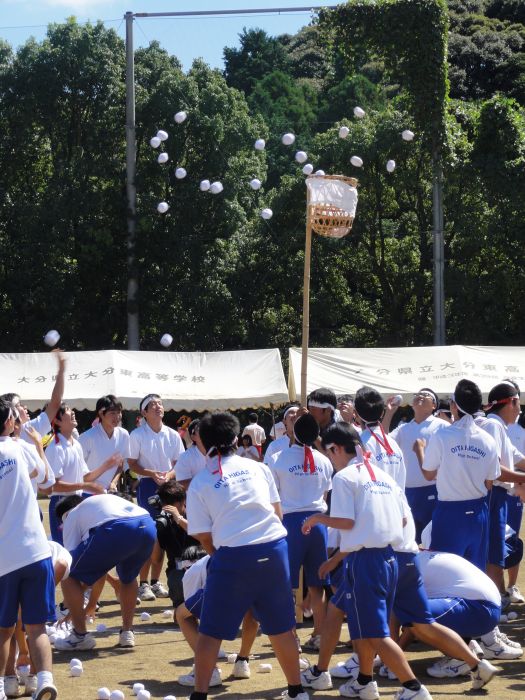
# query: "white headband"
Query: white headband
290,408
147,400
319,404
459,407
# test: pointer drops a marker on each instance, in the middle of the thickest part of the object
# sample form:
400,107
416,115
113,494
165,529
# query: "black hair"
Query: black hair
5,411
342,434
108,403
66,504
506,379
193,426
431,391
345,398
193,553
504,390
219,430
171,492
253,417
148,396
8,397
322,395
521,419
247,437
467,397
369,404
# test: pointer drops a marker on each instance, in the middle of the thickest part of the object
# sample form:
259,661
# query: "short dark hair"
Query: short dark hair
148,396
431,391
247,437
108,403
219,430
171,492
369,404
193,426
306,429
66,504
467,397
5,410
500,392
323,395
342,434
9,397
253,417
345,398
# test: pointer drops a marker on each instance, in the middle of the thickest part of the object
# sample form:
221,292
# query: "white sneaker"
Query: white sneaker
313,643
502,637
126,639
515,595
448,668
241,669
301,696
500,650
75,642
303,664
145,592
353,689
405,694
385,672
160,591
321,682
46,692
189,678
350,667
30,685
483,675
475,648
11,686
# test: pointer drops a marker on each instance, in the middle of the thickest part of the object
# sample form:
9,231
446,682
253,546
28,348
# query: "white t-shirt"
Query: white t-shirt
59,553
41,424
95,511
275,447
256,432
508,454
409,531
67,461
517,436
157,451
190,463
450,576
464,456
23,540
235,507
393,464
300,489
375,506
97,447
250,452
405,435
195,577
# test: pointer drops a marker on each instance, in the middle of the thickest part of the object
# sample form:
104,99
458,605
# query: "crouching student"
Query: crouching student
234,510
367,509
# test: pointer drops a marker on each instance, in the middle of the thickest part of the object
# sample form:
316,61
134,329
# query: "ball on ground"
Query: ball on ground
103,694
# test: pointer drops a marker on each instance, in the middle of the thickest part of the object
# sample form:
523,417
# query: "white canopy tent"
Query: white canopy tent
186,380
406,370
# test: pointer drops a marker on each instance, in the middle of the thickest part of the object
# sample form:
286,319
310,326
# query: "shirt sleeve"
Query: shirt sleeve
343,499
71,533
199,517
433,453
274,493
41,423
124,448
517,455
134,445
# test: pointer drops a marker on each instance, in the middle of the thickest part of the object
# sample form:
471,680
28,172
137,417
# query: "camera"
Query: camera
155,501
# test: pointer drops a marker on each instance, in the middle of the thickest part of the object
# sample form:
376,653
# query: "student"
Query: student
247,449
385,452
26,570
154,451
234,511
516,433
303,478
421,495
256,432
367,509
289,418
465,461
322,404
192,461
105,439
103,532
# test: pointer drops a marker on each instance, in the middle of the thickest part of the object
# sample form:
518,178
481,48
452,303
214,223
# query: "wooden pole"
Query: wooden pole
306,309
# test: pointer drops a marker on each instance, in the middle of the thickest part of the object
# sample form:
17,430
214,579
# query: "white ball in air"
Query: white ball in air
359,112
288,139
162,207
154,142
51,338
216,187
162,135
356,161
205,185
301,157
260,145
407,135
165,341
180,173
308,169
181,117
162,158
391,166
343,132
255,184
266,214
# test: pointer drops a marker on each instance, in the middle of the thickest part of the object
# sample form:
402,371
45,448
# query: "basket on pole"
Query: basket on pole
330,210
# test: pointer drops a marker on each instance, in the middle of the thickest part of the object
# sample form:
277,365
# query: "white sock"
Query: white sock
1,686
490,637
44,678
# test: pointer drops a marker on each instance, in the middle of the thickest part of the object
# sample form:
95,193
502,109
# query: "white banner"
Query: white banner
186,380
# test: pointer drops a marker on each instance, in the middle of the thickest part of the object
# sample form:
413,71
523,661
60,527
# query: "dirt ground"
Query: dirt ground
161,654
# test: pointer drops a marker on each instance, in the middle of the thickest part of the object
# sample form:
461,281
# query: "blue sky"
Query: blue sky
186,38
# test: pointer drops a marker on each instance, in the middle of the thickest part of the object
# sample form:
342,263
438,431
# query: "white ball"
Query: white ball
51,338
503,618
137,687
162,158
343,132
167,613
101,627
162,135
512,615
103,694
180,173
143,695
154,142
407,135
308,169
265,668
232,658
356,161
288,139
76,671
75,662
216,187
180,117
391,166
162,207
266,214
116,695
145,616
170,697
205,185
359,112
165,341
260,145
301,157
320,173
255,184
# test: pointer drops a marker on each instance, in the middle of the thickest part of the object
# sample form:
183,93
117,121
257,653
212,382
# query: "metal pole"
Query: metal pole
252,11
306,311
439,254
131,191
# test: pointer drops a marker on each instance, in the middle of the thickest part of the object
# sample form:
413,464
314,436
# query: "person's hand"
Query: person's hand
347,412
173,511
159,478
301,412
392,403
61,358
308,524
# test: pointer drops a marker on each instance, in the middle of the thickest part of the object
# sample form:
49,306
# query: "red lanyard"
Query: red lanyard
309,462
219,469
385,444
361,454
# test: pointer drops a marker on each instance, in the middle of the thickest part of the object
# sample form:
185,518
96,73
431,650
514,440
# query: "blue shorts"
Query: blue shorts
145,489
497,500
239,578
410,600
469,618
422,501
33,589
54,525
370,584
461,527
194,603
514,512
308,551
125,543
